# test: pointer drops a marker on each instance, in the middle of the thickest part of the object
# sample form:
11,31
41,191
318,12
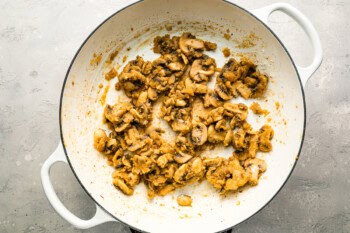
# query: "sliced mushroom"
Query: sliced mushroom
239,111
166,189
143,97
199,134
255,167
152,94
228,138
100,140
180,126
212,99
181,157
265,135
120,184
188,44
114,113
197,166
213,162
199,73
184,200
239,141
175,66
222,91
215,136
180,173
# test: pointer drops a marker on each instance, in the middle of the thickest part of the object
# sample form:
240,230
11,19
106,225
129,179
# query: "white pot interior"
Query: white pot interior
81,113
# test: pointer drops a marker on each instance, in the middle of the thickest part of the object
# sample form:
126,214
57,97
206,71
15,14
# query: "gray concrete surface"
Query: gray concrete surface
38,39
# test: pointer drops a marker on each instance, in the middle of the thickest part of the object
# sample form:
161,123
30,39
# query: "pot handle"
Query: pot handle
100,216
264,13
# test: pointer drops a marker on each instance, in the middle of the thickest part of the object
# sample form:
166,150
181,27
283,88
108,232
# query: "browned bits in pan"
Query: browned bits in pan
201,117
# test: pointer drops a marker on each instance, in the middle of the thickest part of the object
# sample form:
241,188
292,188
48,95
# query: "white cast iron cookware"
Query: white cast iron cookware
134,27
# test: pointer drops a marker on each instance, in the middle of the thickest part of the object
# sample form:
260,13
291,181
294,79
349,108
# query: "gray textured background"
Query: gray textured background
38,39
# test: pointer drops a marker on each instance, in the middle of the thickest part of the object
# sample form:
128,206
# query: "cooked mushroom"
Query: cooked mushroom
199,134
100,140
222,91
119,183
201,117
212,99
255,167
188,43
181,157
265,135
184,200
201,72
215,136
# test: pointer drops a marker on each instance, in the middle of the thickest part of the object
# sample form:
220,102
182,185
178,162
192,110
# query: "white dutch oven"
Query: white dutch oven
80,113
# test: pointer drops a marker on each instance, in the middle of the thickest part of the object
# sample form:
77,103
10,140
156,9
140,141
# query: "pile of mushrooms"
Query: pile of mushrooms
202,118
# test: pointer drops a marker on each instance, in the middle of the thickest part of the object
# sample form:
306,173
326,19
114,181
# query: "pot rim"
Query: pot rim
126,7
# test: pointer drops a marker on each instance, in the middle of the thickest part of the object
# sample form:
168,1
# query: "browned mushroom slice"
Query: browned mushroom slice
165,44
199,134
152,94
215,136
239,177
179,175
100,140
202,69
184,200
255,167
114,113
212,99
143,164
244,91
210,46
239,141
180,126
188,43
260,88
222,91
166,189
238,111
228,138
215,115
181,157
213,162
120,184
265,135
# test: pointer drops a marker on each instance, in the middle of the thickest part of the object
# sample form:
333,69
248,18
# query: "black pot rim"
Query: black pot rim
64,84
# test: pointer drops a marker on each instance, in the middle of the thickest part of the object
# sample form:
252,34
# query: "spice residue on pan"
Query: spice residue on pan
226,51
201,118
96,59
247,41
104,95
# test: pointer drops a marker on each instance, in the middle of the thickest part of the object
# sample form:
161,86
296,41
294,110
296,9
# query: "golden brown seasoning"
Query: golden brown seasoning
124,58
104,95
111,74
168,27
278,105
227,36
202,118
247,41
226,51
113,55
96,59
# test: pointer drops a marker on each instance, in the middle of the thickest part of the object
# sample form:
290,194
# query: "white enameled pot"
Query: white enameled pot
131,30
